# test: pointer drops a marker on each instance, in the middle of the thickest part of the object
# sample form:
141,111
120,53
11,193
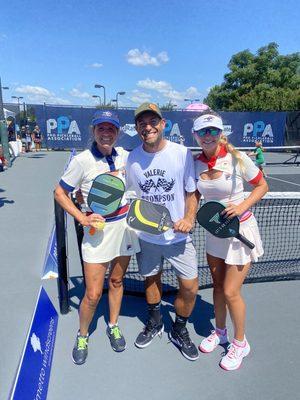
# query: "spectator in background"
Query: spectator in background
12,141
37,138
259,156
23,138
3,161
28,140
20,144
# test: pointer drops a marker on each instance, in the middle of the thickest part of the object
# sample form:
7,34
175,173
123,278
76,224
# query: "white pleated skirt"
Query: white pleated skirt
116,239
232,250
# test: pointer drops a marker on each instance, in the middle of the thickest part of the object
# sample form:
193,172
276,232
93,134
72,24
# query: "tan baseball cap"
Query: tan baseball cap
151,107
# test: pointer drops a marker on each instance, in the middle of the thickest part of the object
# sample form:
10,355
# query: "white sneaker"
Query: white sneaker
234,357
212,341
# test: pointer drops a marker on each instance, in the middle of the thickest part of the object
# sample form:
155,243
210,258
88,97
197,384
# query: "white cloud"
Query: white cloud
166,90
160,86
34,90
38,94
81,95
141,59
96,65
59,100
192,92
163,57
139,97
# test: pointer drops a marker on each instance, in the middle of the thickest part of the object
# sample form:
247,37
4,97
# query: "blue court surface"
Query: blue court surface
270,372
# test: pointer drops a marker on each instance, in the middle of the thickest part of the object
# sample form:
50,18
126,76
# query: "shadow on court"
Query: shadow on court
37,156
135,307
4,201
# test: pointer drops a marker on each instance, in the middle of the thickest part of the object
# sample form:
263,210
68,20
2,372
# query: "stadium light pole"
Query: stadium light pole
3,127
97,97
18,99
97,86
119,94
191,100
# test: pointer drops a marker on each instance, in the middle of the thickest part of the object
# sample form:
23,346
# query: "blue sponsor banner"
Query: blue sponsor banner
33,375
67,127
50,269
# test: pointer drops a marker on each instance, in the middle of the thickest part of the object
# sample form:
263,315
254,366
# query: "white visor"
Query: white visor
208,121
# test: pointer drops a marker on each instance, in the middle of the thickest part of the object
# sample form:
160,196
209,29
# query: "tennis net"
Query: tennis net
278,217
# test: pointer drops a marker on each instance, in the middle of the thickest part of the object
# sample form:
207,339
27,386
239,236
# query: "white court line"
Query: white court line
282,180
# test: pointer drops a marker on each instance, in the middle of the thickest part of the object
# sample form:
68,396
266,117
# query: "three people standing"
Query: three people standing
164,172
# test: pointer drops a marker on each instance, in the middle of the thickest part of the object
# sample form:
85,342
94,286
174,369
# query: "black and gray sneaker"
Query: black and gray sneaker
80,350
116,338
182,340
151,329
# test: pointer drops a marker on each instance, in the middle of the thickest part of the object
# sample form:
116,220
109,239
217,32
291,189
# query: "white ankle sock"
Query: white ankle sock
240,343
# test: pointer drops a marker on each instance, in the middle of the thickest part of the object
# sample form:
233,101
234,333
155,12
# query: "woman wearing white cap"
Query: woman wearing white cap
220,171
114,245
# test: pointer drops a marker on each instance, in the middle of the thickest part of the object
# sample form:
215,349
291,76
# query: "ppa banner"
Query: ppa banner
69,127
33,374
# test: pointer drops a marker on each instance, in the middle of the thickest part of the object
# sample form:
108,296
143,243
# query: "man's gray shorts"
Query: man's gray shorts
181,255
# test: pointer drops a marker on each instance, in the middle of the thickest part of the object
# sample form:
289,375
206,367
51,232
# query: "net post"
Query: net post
62,280
79,236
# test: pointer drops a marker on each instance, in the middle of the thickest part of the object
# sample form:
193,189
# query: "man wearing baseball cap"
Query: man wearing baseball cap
114,244
162,172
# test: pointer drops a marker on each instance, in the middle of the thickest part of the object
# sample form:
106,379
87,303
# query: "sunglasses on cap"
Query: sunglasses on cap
210,131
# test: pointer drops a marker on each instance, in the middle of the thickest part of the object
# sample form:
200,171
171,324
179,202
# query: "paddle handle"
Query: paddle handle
245,241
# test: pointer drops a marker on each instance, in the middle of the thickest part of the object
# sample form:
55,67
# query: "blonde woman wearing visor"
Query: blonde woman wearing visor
220,172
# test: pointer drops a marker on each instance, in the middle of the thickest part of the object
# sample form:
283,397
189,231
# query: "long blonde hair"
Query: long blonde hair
232,150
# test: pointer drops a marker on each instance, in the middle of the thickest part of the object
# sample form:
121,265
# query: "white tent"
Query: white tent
8,113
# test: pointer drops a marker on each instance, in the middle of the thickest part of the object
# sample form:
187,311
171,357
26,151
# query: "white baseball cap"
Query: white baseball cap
208,121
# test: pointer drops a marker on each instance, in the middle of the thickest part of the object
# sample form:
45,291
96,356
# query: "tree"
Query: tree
265,81
107,106
168,106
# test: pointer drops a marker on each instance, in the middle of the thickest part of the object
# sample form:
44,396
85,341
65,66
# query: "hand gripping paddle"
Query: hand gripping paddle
105,195
209,216
149,217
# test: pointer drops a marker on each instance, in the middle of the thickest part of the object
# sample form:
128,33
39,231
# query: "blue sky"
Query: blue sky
56,51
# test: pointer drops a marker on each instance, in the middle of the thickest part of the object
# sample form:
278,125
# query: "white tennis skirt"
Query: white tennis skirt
232,250
116,239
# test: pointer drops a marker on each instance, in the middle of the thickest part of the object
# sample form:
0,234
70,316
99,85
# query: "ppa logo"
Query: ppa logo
35,343
172,132
258,130
63,128
129,129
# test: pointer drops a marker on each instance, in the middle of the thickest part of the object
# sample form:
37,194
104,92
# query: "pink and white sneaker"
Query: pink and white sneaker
210,343
234,357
